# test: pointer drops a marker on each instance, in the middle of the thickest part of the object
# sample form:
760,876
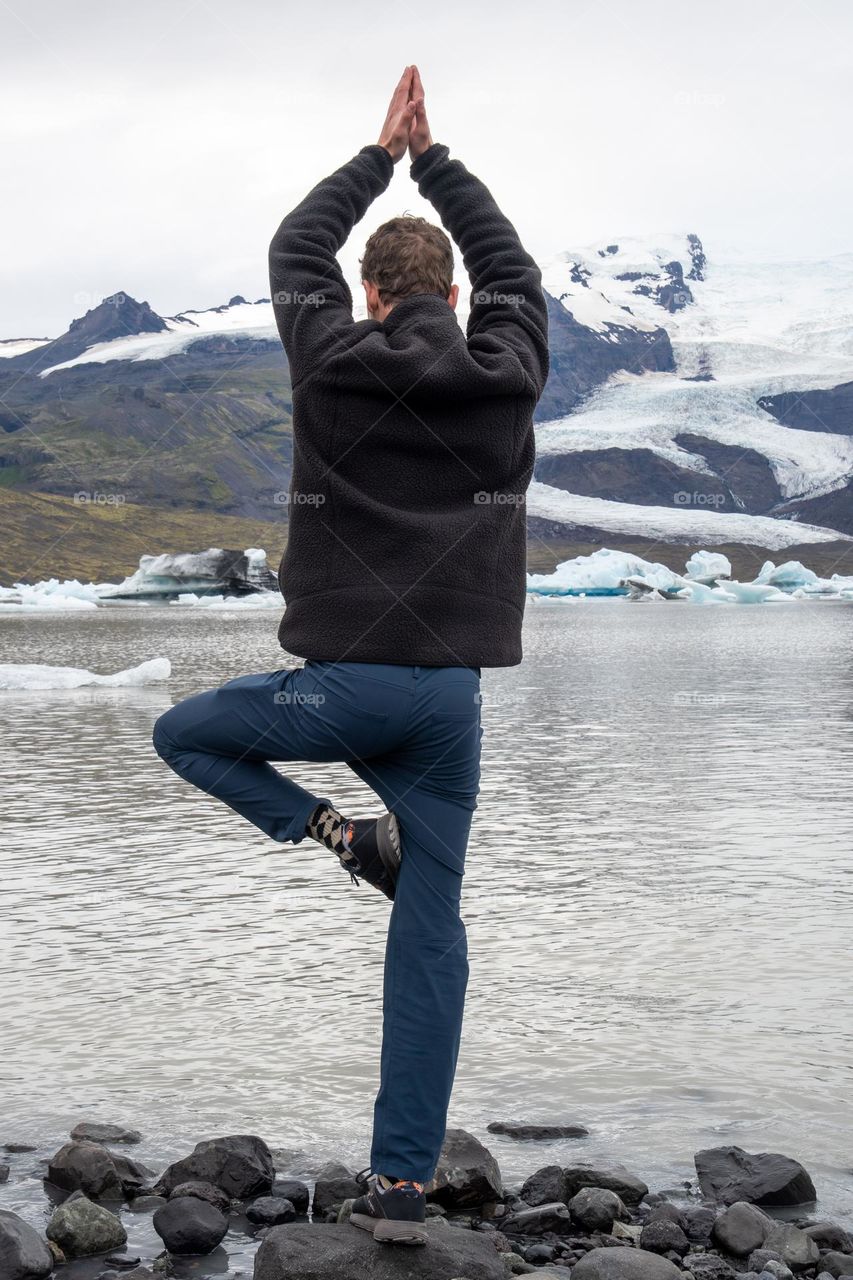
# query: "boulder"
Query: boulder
759,1258
699,1223
335,1183
708,1266
23,1253
270,1211
664,1236
132,1175
86,1167
239,1164
624,1264
629,1188
775,1268
829,1235
836,1263
544,1186
93,1131
145,1204
82,1228
670,1213
596,1209
203,1191
796,1250
535,1222
326,1251
730,1174
527,1131
467,1174
293,1190
190,1226
741,1228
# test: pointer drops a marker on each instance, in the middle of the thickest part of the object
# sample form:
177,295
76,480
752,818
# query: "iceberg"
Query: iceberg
35,676
51,594
210,572
604,573
708,567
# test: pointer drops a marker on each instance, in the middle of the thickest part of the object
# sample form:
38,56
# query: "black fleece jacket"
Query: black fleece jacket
412,441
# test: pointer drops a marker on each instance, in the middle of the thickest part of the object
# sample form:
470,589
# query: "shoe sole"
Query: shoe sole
388,1231
388,844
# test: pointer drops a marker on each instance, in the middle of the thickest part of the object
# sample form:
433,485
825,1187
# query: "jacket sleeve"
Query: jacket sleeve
507,302
311,300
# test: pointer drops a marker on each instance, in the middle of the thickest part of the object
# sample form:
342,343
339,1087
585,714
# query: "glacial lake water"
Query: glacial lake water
659,903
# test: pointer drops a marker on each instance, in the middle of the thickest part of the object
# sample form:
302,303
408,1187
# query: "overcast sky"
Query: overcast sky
152,146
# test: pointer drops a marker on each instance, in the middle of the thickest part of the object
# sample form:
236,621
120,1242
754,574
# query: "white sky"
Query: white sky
152,146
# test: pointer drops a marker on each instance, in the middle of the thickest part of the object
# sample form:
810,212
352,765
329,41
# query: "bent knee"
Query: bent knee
164,743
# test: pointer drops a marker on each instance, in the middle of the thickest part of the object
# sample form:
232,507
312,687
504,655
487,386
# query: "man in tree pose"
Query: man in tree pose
404,575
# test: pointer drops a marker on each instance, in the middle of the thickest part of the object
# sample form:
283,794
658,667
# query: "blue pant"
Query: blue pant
413,735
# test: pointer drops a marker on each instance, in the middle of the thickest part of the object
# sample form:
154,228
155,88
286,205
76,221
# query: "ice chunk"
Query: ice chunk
603,573
699,593
788,576
211,572
33,675
708,567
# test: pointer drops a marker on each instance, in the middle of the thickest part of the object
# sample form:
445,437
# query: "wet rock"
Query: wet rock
132,1175
773,1267
629,1188
82,1228
596,1209
829,1235
836,1263
86,1167
730,1174
524,1131
146,1204
535,1222
23,1253
698,1223
239,1164
741,1228
467,1174
330,1252
539,1253
759,1258
627,1231
624,1264
5,1170
93,1131
797,1250
203,1191
661,1235
293,1190
270,1211
544,1186
335,1183
140,1273
190,1226
665,1211
708,1266
17,1148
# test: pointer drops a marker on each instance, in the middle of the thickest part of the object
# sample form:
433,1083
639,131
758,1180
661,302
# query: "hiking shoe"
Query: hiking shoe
394,1212
374,844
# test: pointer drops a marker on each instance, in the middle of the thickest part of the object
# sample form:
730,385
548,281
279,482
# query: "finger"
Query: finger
417,87
402,92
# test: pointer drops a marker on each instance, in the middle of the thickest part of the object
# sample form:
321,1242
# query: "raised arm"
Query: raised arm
311,299
507,302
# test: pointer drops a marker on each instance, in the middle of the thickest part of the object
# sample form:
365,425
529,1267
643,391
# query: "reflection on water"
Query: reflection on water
658,901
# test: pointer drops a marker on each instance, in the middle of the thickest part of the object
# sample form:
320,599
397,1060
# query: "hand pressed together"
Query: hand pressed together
406,124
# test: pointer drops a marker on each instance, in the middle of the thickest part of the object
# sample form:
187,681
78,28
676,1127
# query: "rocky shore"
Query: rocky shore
744,1217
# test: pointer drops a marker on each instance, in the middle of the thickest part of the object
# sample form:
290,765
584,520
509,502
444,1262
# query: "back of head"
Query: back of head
408,255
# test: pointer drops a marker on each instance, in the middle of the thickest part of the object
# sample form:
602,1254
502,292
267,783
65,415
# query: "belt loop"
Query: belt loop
417,671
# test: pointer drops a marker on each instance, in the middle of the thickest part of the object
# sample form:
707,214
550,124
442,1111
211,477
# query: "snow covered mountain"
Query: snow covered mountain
692,397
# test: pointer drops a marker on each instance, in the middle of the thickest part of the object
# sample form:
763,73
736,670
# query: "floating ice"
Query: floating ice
33,675
708,567
601,574
51,594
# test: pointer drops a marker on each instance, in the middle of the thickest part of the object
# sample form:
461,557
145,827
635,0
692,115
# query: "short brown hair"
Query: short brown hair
408,255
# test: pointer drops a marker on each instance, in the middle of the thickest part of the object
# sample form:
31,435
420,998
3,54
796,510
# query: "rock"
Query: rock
270,1211
535,1222
524,1131
698,1223
538,1253
132,1175
312,1251
665,1211
190,1226
596,1209
335,1183
23,1253
293,1190
836,1263
778,1269
5,1170
16,1148
86,1167
741,1228
624,1264
829,1235
203,1191
627,1231
544,1186
794,1247
139,1273
759,1258
708,1266
82,1228
467,1174
92,1131
629,1188
239,1164
661,1235
730,1174
146,1204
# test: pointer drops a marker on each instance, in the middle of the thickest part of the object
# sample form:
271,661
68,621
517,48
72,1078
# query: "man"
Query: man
403,577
